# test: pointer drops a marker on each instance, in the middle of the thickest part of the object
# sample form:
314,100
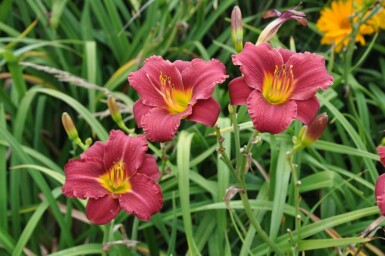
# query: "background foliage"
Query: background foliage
95,43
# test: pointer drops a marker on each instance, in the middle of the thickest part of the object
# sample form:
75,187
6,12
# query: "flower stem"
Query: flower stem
297,183
225,158
262,234
238,156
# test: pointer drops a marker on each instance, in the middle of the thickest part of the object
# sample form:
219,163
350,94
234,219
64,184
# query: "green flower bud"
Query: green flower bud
236,29
69,126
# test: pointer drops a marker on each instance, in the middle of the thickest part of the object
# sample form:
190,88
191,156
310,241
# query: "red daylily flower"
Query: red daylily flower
278,85
380,184
115,175
173,91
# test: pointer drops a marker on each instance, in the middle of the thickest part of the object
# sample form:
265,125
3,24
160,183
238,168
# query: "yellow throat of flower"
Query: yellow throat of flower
277,87
176,100
116,180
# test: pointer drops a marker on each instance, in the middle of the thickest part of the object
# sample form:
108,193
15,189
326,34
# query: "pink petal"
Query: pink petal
205,112
285,53
149,167
140,110
82,178
380,193
239,91
202,77
270,118
381,153
144,199
103,210
307,109
160,126
255,61
96,150
129,149
309,74
147,83
182,65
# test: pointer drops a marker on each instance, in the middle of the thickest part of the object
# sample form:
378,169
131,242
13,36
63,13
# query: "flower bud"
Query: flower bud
315,129
114,109
272,28
236,29
381,153
380,193
69,126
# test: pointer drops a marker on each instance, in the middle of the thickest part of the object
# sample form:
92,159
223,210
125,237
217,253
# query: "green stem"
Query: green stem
296,184
262,234
246,153
238,156
225,158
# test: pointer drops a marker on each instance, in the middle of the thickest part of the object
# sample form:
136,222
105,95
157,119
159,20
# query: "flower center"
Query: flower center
345,23
278,87
176,100
116,180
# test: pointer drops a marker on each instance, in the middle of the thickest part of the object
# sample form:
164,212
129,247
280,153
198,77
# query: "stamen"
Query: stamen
277,87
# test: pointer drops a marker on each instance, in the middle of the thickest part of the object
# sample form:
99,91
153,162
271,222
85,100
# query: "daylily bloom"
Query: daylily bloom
278,85
115,175
173,91
272,28
380,184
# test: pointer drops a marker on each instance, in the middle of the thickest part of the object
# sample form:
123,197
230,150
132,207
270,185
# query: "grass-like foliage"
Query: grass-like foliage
227,189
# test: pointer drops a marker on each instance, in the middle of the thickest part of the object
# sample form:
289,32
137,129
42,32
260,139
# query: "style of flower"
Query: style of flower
336,23
380,184
170,92
278,85
115,175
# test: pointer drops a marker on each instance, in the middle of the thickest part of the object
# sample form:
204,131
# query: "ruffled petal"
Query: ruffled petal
239,91
103,210
129,149
140,110
160,126
381,153
380,193
256,61
144,199
285,53
146,81
181,65
96,150
270,118
205,112
309,74
82,178
150,167
202,77
307,109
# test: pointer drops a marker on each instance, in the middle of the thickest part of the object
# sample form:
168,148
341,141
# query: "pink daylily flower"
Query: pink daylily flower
380,183
170,92
278,85
115,175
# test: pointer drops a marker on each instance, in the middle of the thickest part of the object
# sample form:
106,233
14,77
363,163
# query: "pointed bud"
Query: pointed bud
380,193
69,126
381,153
114,109
272,28
236,29
315,129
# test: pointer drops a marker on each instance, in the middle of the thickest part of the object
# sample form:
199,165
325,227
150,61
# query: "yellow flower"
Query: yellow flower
336,21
